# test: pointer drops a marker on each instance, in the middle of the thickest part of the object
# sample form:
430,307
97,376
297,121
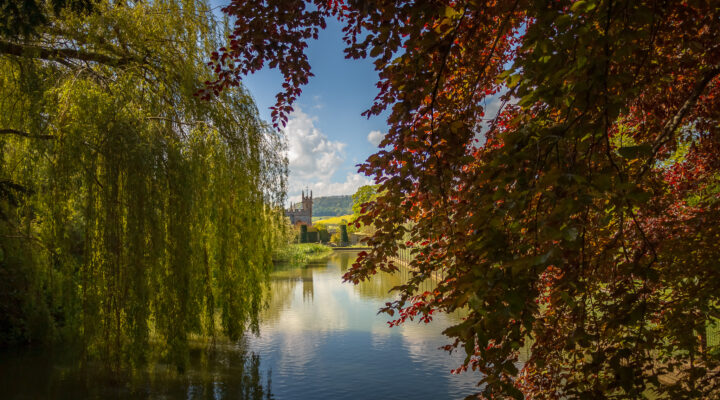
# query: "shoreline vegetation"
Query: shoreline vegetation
301,253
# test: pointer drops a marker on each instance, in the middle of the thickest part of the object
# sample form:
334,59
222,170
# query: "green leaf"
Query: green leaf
563,21
633,152
456,126
451,12
639,196
577,6
527,100
470,345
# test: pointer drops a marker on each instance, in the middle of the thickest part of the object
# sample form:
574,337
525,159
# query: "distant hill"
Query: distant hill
332,205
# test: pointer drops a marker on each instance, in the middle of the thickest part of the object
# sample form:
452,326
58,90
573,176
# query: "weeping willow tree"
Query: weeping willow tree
132,212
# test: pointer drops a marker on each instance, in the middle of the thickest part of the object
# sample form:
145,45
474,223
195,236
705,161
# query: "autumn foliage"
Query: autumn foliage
556,161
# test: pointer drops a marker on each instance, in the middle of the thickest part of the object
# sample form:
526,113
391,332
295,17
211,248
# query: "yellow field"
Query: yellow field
335,220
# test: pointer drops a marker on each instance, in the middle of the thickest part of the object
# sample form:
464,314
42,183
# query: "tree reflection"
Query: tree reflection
344,259
227,371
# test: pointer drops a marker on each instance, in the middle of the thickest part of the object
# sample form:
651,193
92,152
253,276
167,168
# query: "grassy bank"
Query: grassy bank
302,253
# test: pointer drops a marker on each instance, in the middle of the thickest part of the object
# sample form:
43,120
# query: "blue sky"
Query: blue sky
326,134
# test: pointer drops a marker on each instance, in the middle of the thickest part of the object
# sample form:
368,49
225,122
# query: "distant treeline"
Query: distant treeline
332,205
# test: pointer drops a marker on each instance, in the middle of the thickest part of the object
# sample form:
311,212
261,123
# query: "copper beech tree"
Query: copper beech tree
579,221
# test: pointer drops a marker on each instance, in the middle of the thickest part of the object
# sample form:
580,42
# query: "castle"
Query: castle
301,213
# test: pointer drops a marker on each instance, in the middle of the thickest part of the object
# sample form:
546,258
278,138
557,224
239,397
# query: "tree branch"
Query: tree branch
51,54
25,134
674,123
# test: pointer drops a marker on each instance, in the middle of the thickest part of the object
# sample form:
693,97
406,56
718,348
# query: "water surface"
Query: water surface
319,339
324,339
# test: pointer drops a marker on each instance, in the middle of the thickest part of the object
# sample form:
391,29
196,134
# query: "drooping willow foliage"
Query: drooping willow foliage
132,211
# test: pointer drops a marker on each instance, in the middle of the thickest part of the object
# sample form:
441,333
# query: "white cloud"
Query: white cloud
311,154
375,137
314,159
325,188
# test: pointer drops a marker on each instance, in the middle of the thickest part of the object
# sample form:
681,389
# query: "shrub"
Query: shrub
303,234
312,237
344,239
324,235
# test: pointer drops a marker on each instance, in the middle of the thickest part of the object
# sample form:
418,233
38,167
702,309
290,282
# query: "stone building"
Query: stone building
301,213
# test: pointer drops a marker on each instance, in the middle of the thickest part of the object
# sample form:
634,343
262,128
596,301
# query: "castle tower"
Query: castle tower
307,203
301,213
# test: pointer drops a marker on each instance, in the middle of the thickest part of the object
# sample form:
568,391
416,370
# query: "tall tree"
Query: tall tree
579,219
363,195
143,212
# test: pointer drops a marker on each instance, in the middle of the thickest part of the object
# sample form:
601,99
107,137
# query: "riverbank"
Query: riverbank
302,253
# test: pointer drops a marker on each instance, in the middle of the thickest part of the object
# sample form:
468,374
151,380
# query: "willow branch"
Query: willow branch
60,54
25,134
179,122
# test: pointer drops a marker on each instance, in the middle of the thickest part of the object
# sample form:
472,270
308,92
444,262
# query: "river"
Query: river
319,339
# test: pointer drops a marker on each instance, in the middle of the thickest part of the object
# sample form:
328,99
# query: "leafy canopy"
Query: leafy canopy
133,211
578,220
363,195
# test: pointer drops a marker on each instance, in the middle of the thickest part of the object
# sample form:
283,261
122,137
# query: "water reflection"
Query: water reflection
327,277
333,344
319,339
228,372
